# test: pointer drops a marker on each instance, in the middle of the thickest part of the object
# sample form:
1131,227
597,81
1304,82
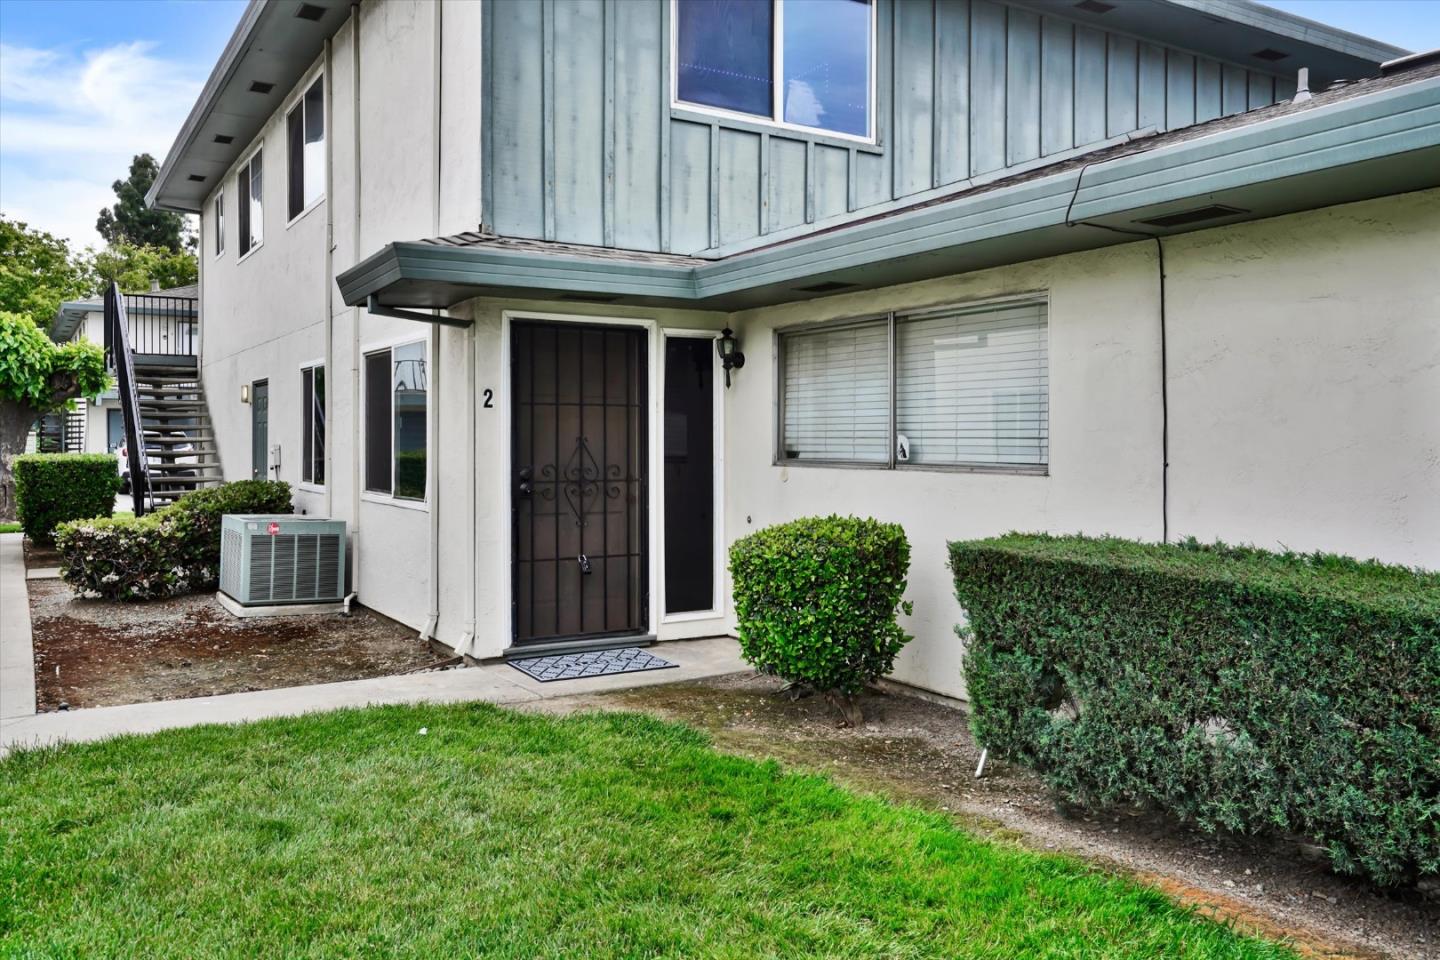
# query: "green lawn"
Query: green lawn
9,527
508,835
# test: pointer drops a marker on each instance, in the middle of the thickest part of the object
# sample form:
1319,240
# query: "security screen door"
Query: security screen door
579,463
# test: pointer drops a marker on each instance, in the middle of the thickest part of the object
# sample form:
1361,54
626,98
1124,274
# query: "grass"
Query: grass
9,526
508,835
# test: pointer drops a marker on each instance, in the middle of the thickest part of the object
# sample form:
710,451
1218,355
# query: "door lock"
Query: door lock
584,564
526,487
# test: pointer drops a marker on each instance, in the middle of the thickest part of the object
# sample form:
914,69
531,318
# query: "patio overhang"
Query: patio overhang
1360,142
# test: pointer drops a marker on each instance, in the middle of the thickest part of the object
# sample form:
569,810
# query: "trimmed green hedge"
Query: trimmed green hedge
1238,689
51,488
816,600
174,550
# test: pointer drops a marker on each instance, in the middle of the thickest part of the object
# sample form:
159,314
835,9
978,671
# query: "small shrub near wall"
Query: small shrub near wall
1238,689
816,601
171,551
51,488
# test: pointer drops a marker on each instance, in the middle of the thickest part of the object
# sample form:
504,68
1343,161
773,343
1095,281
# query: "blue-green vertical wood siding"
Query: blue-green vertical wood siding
582,143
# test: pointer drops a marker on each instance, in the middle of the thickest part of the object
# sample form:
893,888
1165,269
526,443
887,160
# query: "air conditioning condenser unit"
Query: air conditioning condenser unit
268,561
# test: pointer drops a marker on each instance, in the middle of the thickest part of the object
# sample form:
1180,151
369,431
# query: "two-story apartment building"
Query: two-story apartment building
468,269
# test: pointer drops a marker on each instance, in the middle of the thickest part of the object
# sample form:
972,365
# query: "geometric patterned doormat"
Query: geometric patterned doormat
595,663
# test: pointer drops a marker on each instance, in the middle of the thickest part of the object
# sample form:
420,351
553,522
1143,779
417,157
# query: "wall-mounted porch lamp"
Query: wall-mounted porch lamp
244,393
730,356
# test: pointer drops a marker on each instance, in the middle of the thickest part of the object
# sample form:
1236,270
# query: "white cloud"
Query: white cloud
70,122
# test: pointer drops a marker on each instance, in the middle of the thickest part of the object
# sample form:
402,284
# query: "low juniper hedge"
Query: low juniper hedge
174,550
51,488
816,601
1239,689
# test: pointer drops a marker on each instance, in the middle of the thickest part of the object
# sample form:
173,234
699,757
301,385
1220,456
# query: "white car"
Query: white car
192,459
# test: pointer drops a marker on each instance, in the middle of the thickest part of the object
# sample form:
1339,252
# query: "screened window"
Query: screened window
305,144
396,435
970,388
837,394
250,191
729,54
219,223
312,398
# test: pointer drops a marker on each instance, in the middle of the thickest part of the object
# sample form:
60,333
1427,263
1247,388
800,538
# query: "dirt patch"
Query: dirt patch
94,653
37,556
921,752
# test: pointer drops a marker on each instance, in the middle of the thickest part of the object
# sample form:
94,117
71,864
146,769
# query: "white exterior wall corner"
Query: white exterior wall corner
1304,380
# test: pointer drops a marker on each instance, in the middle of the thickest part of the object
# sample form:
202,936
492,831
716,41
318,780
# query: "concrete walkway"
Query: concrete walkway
17,657
492,683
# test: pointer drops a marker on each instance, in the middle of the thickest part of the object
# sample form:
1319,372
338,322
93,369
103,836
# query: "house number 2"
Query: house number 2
489,398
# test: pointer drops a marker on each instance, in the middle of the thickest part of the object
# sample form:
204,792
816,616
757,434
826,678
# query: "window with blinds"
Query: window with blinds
970,388
837,394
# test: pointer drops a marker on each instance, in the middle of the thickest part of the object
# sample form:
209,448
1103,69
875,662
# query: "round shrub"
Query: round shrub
171,551
816,601
51,488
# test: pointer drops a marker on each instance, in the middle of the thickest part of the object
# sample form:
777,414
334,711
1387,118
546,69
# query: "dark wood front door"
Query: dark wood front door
579,464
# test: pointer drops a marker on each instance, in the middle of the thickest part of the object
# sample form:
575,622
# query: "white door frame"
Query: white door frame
717,440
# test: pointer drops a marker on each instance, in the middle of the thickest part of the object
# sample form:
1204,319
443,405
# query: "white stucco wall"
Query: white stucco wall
1305,381
1304,358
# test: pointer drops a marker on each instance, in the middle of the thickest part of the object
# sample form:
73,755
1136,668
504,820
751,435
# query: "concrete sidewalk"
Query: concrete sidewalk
17,657
492,683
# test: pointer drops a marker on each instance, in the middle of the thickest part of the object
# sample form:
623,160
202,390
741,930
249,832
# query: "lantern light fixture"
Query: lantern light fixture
730,356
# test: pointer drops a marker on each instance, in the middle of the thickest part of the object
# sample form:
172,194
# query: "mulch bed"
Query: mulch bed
93,653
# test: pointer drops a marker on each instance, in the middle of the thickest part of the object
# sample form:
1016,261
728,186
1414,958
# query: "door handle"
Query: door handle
526,487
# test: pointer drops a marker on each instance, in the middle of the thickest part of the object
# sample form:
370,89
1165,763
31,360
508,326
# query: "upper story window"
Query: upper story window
219,222
729,54
305,149
249,192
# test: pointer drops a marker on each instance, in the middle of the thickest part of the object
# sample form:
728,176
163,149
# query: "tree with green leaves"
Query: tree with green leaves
37,376
38,272
131,221
134,267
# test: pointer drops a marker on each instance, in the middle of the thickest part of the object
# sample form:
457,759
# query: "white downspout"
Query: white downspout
355,445
328,460
433,420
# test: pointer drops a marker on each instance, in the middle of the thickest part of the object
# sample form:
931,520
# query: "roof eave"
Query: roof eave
274,33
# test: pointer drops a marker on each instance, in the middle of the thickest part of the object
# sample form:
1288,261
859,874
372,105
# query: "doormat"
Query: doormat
595,663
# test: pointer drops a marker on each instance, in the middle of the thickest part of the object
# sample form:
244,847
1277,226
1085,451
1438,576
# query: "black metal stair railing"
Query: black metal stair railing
117,339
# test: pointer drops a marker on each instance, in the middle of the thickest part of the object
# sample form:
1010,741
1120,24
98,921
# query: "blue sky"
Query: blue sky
86,84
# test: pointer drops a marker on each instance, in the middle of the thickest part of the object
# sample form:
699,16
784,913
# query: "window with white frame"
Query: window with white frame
963,386
396,410
219,222
305,149
802,63
312,425
249,191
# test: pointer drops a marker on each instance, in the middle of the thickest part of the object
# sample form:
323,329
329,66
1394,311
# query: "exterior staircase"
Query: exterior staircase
178,438
169,438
